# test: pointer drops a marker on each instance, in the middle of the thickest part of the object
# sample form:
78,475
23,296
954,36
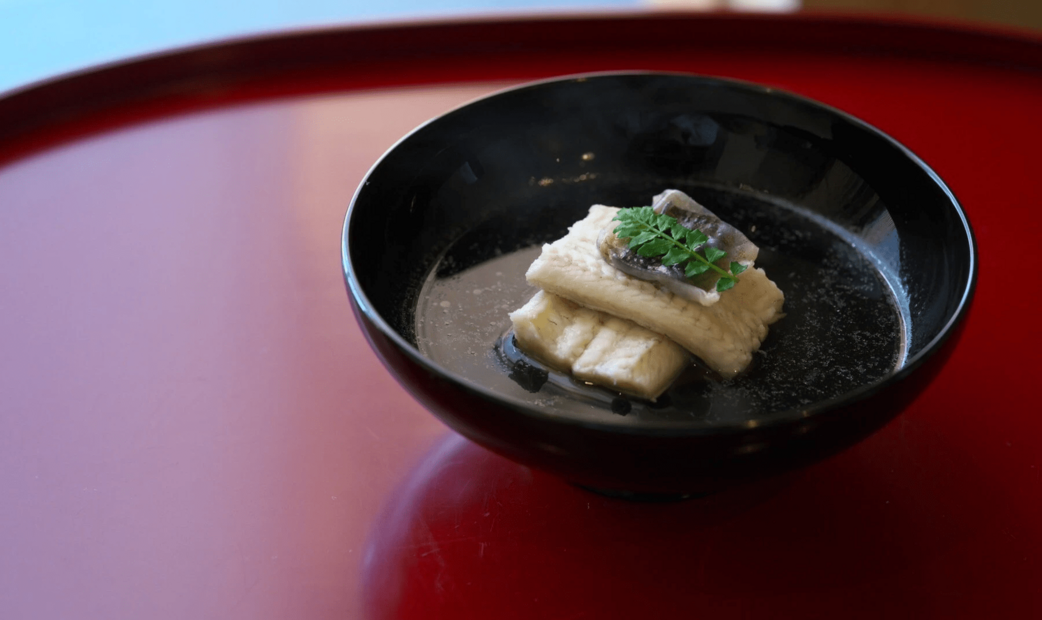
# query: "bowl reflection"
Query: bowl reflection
470,534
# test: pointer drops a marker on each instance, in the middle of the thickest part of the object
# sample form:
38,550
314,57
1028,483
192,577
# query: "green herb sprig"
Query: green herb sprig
655,235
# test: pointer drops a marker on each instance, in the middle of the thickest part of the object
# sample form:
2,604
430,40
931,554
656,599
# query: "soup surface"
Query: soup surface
842,327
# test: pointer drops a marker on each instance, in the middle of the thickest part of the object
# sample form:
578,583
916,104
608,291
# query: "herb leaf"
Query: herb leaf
675,256
696,238
656,235
714,254
724,284
644,237
695,268
656,247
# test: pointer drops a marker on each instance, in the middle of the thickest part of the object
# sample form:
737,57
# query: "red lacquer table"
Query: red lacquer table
192,426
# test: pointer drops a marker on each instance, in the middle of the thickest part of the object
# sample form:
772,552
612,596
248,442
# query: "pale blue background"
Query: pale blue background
42,38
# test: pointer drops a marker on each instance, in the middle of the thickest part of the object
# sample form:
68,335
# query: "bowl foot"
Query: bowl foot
640,496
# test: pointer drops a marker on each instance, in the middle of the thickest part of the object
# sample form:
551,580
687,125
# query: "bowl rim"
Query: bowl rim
774,420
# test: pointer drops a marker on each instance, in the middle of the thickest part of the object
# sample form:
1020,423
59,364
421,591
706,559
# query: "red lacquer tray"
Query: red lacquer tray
192,425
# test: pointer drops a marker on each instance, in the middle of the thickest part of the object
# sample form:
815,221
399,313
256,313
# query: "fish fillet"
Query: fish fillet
724,335
597,347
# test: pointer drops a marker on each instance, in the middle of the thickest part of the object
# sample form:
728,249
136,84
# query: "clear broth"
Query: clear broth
843,327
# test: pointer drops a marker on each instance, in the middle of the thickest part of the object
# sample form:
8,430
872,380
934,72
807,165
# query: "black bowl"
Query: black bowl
874,254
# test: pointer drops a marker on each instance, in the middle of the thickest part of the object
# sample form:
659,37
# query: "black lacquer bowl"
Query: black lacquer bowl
874,254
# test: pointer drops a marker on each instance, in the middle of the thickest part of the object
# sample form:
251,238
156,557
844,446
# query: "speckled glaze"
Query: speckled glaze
516,168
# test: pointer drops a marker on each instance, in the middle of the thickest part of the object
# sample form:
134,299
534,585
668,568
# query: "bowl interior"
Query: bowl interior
872,251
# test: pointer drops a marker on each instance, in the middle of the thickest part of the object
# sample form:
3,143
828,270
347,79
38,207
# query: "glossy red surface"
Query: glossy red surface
192,425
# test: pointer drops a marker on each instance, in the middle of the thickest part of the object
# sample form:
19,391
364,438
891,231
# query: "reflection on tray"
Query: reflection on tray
471,534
